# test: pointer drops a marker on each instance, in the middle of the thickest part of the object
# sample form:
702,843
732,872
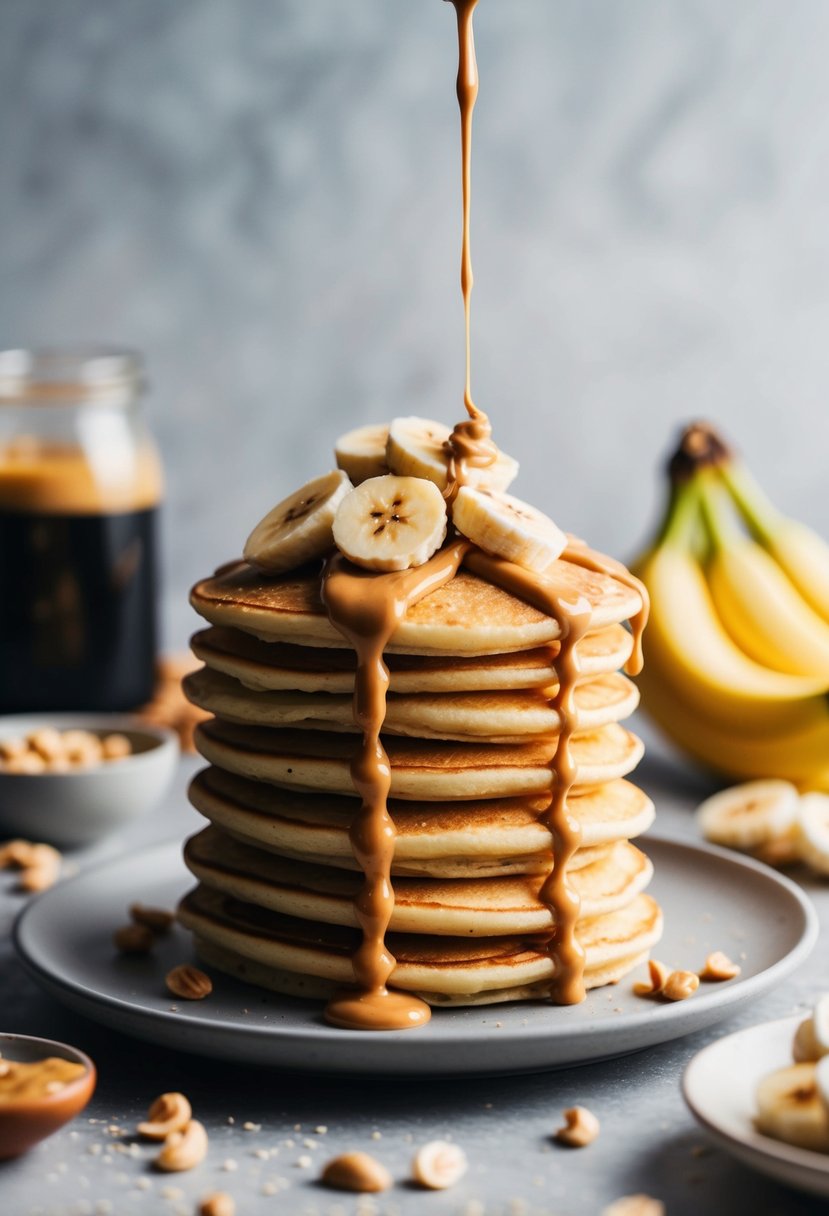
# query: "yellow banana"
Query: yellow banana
799,752
799,551
759,606
686,644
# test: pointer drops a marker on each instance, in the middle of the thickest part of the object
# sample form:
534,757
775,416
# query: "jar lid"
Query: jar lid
52,375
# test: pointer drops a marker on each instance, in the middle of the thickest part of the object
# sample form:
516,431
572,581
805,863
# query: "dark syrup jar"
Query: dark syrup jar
80,490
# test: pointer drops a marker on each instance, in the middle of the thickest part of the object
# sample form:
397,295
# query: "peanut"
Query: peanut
658,974
158,920
438,1165
581,1128
134,939
218,1203
189,983
183,1150
356,1172
169,1113
115,747
680,985
718,966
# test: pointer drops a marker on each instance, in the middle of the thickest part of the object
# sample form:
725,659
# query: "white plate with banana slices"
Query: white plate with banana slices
720,1087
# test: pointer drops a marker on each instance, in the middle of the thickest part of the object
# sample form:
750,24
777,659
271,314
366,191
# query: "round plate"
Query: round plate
719,1087
711,901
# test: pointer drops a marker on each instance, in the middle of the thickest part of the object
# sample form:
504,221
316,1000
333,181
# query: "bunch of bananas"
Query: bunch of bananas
737,648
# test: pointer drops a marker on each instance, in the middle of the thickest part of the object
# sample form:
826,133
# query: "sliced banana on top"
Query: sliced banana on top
391,523
507,527
416,447
361,453
750,815
789,1107
813,831
298,529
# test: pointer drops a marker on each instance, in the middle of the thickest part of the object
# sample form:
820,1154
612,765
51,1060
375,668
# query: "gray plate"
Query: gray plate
711,900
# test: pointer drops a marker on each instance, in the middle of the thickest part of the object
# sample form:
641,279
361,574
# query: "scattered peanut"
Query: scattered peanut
680,985
134,939
438,1165
183,1150
658,974
580,1129
16,854
169,1113
718,966
635,1205
158,920
39,864
218,1203
356,1172
38,878
189,983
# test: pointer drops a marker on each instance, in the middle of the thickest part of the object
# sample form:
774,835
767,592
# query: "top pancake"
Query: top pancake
465,616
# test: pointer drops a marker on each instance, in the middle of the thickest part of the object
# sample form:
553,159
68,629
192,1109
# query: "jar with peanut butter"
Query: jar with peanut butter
80,488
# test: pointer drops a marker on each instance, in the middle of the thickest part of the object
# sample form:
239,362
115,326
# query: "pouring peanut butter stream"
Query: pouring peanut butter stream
379,556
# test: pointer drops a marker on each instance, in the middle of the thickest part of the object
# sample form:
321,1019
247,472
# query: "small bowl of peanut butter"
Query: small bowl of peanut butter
43,1084
70,779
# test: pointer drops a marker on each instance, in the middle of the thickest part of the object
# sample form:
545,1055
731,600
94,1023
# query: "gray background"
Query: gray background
263,195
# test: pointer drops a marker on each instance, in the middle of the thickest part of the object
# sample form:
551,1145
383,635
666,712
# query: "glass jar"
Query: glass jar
80,489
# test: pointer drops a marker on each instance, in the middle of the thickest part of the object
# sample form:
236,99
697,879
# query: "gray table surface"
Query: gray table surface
648,1142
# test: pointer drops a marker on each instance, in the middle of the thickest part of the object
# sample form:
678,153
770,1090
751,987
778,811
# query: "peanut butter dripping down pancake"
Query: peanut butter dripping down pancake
367,609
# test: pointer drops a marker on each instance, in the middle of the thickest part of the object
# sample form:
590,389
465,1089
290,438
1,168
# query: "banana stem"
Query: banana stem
682,517
717,513
761,516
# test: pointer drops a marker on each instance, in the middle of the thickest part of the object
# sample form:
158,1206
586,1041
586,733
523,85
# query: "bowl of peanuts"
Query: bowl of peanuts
70,779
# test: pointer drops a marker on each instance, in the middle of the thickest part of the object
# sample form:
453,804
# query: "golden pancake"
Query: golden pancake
434,839
319,761
465,616
277,666
497,717
311,987
452,966
479,908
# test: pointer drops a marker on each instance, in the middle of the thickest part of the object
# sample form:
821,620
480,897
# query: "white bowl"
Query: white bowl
82,805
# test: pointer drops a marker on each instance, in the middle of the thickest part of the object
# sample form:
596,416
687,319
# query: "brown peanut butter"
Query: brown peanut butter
20,1082
367,608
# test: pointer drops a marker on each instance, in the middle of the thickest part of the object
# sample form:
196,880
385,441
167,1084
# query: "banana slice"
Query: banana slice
813,831
361,453
416,447
391,523
811,1040
299,528
805,1047
750,815
822,1082
507,527
789,1108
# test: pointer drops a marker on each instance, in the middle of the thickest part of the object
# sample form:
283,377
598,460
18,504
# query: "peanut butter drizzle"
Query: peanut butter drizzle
470,444
367,608
564,904
580,554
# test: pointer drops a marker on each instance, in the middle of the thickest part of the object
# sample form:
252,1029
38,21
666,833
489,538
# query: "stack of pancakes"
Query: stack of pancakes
470,733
